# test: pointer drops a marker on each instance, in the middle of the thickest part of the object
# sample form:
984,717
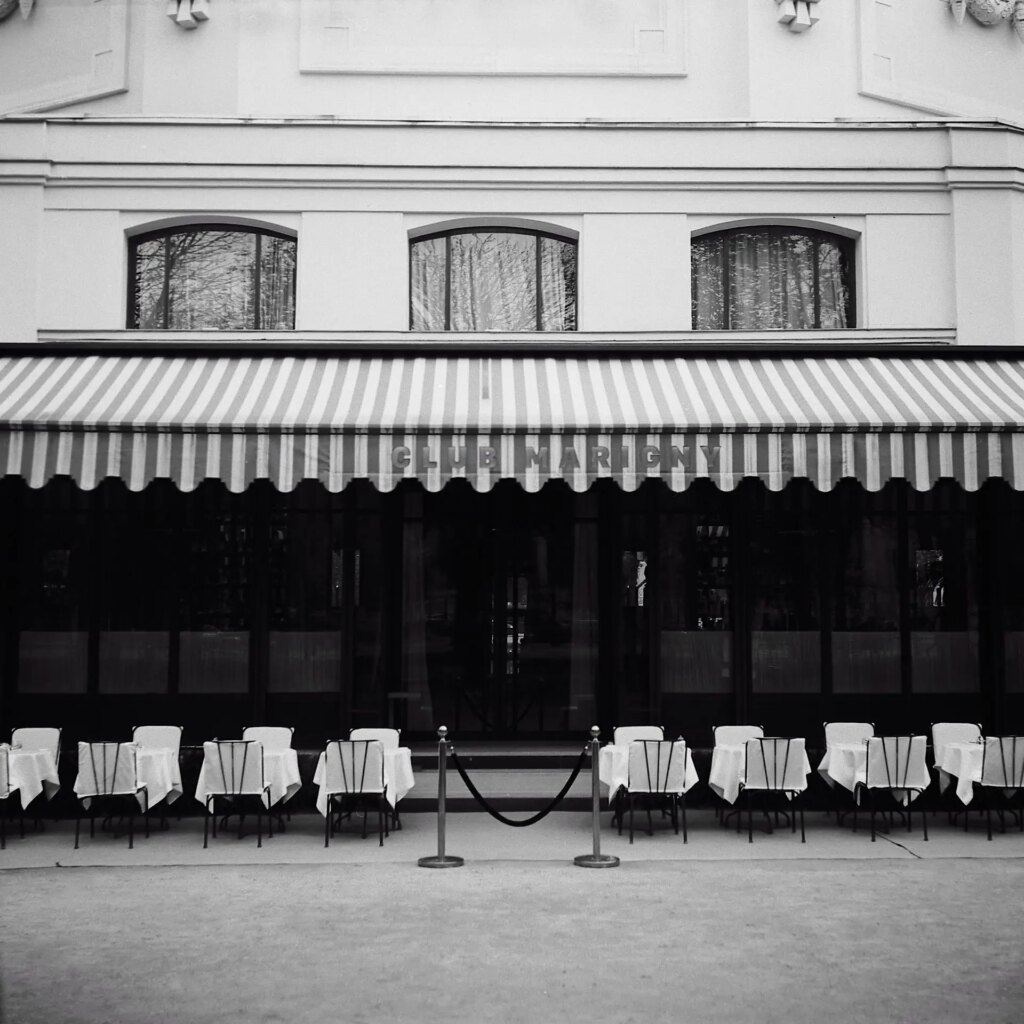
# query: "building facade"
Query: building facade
517,366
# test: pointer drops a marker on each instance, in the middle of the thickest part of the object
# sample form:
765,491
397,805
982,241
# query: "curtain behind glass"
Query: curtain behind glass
427,265
558,285
585,626
207,280
771,281
493,282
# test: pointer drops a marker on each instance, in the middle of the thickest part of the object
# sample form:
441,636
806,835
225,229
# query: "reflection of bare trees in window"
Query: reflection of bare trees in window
493,280
771,278
214,279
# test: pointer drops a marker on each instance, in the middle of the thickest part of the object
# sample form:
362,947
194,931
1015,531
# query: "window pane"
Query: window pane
694,586
943,605
493,282
833,284
785,609
706,283
865,629
558,285
277,283
149,285
208,280
770,278
427,273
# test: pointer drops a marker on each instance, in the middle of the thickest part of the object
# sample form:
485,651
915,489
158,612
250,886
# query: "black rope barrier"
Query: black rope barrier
533,819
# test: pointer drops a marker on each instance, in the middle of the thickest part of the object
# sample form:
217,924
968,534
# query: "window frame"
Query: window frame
448,233
134,241
846,245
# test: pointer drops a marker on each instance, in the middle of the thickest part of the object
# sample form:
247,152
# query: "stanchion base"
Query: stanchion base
596,860
441,862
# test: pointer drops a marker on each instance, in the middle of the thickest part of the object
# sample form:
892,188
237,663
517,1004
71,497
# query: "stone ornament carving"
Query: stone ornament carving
991,12
8,7
187,13
798,15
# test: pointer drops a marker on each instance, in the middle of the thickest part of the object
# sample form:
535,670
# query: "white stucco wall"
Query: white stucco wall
649,60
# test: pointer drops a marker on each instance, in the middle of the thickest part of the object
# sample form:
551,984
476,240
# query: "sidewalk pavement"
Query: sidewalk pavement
477,837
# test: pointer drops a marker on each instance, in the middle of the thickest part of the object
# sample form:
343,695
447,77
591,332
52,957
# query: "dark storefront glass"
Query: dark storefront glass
1011,577
138,551
217,551
785,601
499,611
865,594
52,602
943,600
308,593
694,582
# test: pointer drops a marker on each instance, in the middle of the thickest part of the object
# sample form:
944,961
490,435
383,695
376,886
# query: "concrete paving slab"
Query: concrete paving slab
479,838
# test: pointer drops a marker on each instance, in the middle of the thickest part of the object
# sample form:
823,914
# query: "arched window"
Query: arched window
502,279
757,278
212,277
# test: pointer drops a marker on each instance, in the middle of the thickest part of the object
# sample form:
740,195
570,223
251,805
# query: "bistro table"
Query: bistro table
613,768
32,772
846,764
280,776
159,771
398,777
962,761
728,770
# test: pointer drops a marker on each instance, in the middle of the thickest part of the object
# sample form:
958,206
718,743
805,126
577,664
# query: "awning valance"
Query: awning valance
191,417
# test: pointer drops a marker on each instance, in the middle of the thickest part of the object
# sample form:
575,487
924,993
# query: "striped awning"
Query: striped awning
190,418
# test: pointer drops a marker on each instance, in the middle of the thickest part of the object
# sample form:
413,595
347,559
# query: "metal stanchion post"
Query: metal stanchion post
597,859
442,860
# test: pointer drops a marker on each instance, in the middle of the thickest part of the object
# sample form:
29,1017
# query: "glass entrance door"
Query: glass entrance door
501,589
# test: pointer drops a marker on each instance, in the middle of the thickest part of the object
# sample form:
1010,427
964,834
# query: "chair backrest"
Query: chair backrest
896,762
106,769
626,734
657,766
233,767
40,738
774,763
165,737
1002,763
952,732
847,732
5,771
733,735
355,766
391,738
273,737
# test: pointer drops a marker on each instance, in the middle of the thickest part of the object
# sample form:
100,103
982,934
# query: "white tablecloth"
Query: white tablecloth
280,773
160,773
961,761
845,764
613,768
32,772
728,767
398,777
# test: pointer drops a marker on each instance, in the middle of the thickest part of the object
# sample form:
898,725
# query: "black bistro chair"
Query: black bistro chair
354,776
896,765
233,774
774,772
108,776
1002,778
657,776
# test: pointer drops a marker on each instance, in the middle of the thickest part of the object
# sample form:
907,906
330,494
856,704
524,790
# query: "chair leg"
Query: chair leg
327,825
78,825
750,816
630,819
259,823
131,826
380,819
682,800
871,808
803,837
145,811
924,819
